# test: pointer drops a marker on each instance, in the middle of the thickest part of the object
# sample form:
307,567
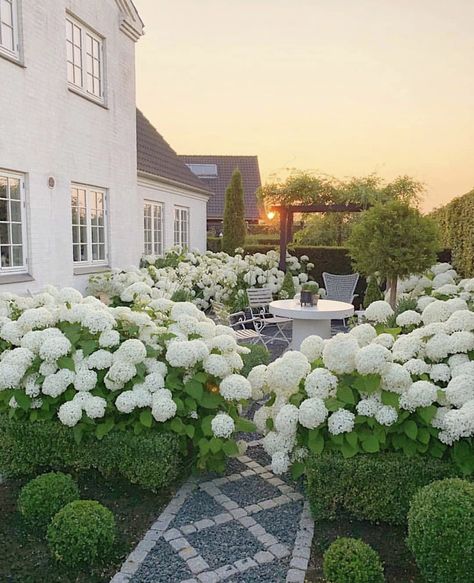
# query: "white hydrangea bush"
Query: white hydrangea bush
199,277
370,390
97,369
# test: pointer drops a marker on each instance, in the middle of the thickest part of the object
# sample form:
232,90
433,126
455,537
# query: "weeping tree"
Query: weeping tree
234,215
395,240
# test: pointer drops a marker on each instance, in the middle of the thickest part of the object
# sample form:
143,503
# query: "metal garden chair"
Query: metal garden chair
259,301
238,322
340,288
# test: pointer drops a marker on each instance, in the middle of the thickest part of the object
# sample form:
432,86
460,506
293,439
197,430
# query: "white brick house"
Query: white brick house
69,200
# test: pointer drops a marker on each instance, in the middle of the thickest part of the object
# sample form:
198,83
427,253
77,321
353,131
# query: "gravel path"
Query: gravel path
248,526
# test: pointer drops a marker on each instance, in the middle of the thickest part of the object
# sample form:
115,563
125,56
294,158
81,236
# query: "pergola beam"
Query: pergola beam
286,213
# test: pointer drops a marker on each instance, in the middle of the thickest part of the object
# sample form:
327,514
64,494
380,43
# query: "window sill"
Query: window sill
16,60
77,91
86,269
15,278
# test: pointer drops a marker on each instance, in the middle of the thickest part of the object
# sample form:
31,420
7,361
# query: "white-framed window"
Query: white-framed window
9,43
85,59
89,225
13,243
181,226
153,227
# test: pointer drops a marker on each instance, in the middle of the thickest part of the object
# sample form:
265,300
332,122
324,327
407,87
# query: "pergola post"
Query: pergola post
283,236
289,226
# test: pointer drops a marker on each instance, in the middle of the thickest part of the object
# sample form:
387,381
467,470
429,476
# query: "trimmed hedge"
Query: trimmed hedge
42,497
82,533
152,460
441,531
456,221
374,487
351,560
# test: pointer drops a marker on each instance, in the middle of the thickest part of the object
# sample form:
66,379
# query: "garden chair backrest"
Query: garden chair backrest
259,297
340,287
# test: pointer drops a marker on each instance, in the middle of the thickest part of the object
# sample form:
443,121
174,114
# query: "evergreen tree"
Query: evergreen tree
234,215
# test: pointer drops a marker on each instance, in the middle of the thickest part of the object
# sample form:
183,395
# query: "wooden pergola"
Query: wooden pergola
286,213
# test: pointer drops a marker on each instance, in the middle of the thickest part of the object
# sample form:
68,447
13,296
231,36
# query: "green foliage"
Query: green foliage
41,498
456,222
441,531
181,295
82,533
376,487
152,460
394,240
234,215
308,188
350,560
288,288
214,244
373,291
259,354
327,229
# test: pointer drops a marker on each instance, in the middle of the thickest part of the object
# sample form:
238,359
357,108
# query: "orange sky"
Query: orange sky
346,87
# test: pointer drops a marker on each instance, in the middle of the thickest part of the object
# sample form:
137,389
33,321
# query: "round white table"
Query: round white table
311,320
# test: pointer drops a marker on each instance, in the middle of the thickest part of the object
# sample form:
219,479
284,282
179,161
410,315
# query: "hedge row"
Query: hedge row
152,460
456,221
374,487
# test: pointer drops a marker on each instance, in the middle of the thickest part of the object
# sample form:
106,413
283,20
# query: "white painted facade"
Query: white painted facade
55,137
174,197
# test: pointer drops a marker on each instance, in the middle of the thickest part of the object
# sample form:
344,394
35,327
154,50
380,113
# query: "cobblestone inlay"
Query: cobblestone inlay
247,526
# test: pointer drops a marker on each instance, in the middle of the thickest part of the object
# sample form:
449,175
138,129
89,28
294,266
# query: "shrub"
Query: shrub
152,460
258,354
81,533
374,487
350,560
373,292
42,497
441,531
214,244
234,225
288,288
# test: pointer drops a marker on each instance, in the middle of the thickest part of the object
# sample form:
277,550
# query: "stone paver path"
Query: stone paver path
247,526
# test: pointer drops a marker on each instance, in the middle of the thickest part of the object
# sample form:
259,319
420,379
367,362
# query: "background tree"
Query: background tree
395,240
235,228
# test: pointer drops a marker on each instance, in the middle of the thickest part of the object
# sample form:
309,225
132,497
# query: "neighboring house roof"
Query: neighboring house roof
157,158
215,173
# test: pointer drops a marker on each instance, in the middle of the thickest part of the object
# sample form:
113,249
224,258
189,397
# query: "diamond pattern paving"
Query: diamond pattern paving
250,490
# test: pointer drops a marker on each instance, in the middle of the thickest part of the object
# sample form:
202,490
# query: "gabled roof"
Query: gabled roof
131,23
155,157
217,184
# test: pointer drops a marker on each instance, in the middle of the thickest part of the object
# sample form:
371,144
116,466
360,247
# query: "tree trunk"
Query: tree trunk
393,291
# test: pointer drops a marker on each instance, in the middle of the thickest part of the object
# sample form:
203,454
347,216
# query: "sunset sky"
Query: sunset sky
345,87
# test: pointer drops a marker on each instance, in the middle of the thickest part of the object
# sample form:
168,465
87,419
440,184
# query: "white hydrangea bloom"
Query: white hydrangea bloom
70,413
369,406
460,390
53,348
222,425
100,359
378,312
109,339
321,383
312,347
386,415
364,334
95,407
217,366
384,339
163,407
286,421
342,421
235,387
408,318
312,413
85,380
440,373
420,394
339,353
372,359
280,462
417,367
57,383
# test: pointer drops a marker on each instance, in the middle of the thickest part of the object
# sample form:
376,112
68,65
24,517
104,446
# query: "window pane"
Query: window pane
83,253
6,11
17,257
4,214
16,234
6,256
14,184
76,256
4,233
3,187
7,37
15,210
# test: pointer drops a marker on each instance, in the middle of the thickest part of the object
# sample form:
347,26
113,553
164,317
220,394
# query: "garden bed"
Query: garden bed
26,558
388,541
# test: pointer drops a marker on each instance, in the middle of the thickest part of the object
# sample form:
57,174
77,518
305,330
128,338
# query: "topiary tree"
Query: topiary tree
394,240
350,560
373,292
288,287
234,215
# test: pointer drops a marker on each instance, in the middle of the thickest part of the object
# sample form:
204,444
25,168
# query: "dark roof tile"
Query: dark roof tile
155,156
248,166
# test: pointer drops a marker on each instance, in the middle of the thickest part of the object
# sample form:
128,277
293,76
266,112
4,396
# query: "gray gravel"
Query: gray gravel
225,544
250,490
200,505
282,522
162,566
